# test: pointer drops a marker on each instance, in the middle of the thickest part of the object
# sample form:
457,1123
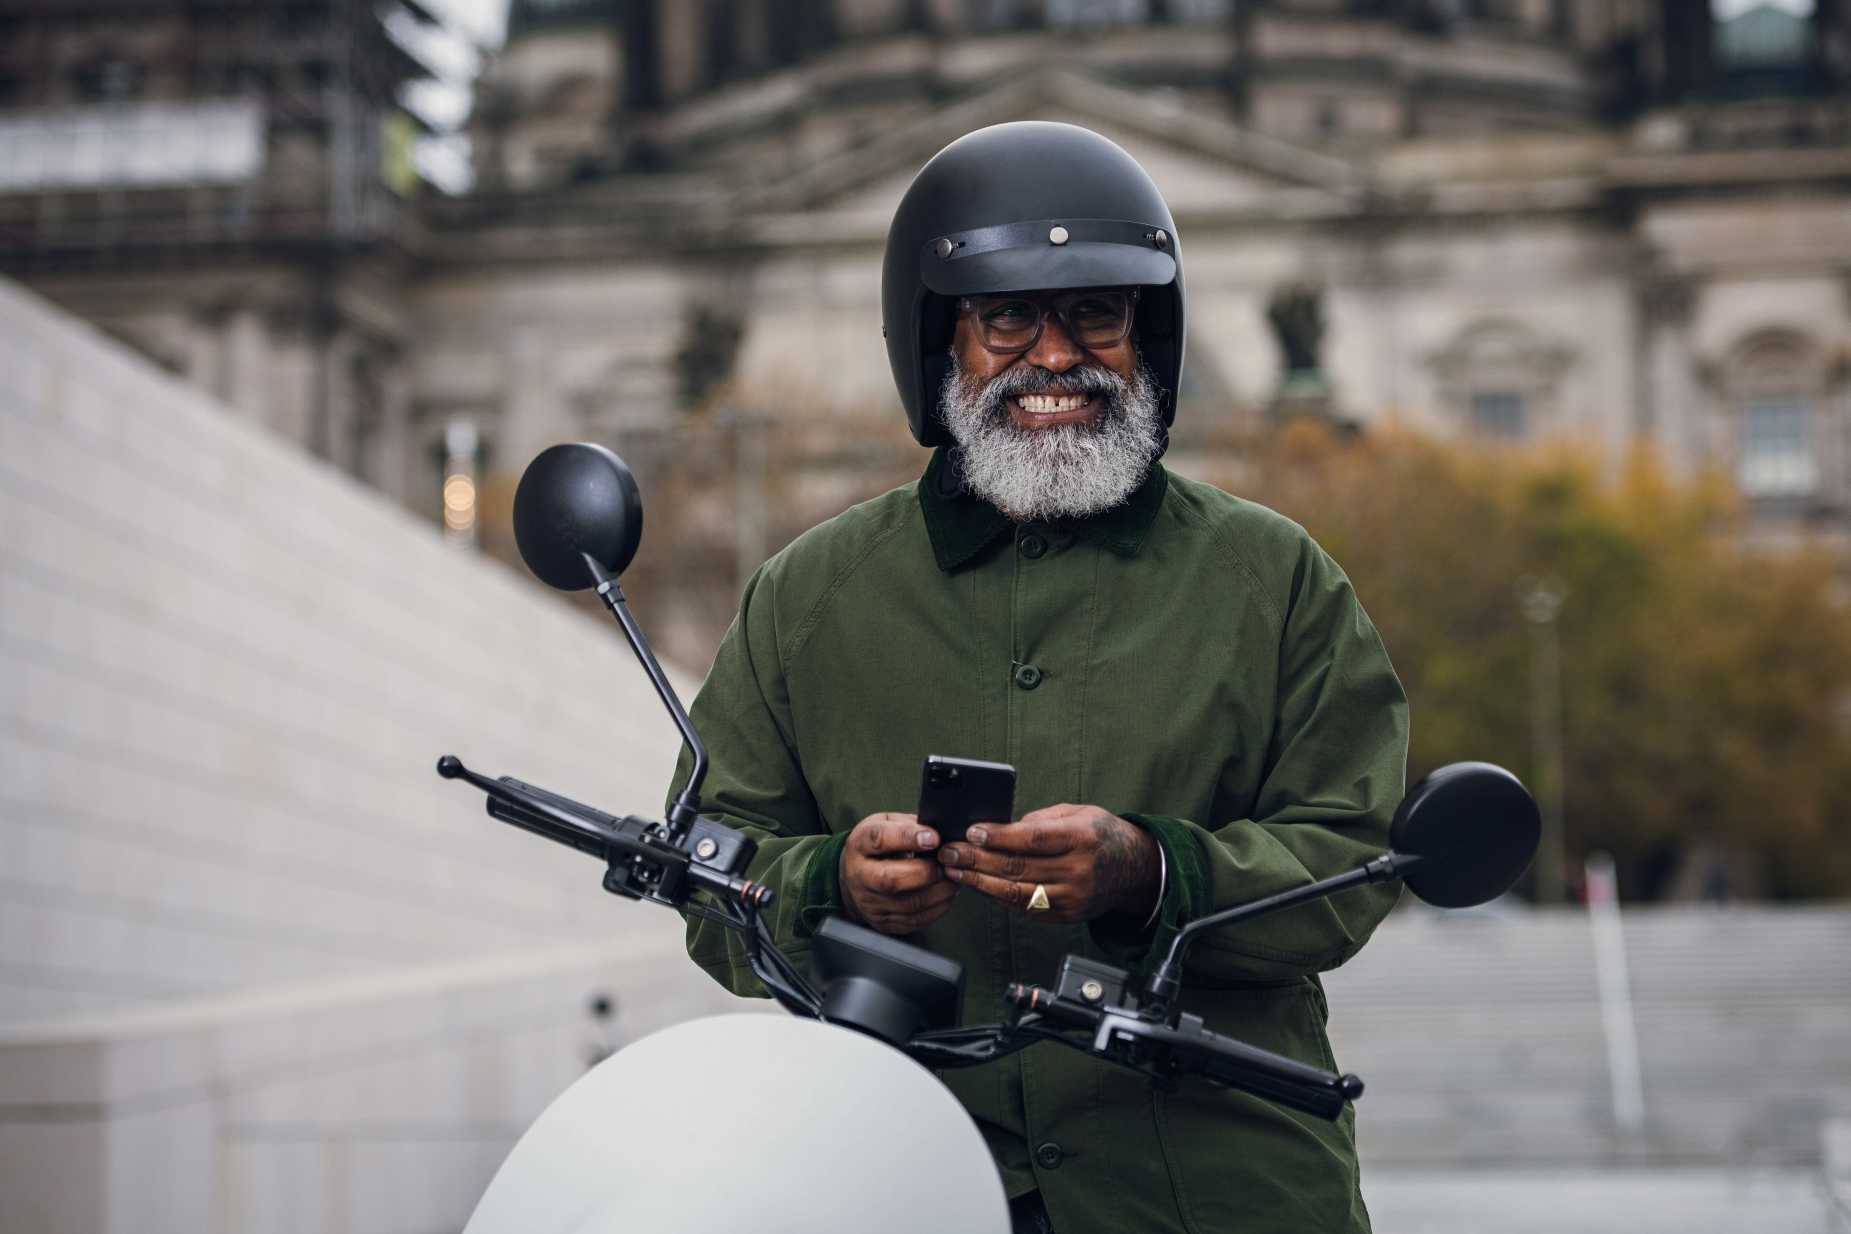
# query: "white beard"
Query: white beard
1064,470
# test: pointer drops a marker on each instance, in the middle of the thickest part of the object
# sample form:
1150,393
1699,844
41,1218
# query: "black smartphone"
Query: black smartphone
956,792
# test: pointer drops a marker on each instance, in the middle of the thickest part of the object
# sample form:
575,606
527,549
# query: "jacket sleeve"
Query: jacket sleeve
755,783
1335,771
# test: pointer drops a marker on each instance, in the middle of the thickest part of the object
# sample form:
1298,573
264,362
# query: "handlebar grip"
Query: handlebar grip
552,829
1278,1078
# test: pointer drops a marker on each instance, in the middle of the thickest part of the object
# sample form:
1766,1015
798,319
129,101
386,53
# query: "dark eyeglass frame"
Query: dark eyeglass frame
1059,305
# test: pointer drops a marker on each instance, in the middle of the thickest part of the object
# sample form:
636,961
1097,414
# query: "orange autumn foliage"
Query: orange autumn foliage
1704,683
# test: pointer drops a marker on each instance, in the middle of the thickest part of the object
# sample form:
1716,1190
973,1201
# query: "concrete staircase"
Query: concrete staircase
1479,1035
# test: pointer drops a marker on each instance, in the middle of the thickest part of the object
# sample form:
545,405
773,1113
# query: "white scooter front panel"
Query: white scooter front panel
749,1122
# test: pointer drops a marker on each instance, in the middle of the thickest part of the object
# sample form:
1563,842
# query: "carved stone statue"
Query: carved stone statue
1296,312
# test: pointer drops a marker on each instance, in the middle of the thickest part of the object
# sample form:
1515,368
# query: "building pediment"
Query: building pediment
1206,166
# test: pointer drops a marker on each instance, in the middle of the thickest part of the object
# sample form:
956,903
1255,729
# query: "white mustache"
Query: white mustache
1086,379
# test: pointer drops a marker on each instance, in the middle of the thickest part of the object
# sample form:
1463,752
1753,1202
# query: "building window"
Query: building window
1201,10
1329,119
1774,454
1498,415
999,15
1498,380
1487,10
108,80
1771,388
1095,13
1763,34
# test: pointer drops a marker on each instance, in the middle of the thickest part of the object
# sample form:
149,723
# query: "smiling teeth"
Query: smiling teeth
1045,404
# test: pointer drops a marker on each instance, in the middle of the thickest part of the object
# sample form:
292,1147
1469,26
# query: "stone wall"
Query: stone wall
260,968
227,674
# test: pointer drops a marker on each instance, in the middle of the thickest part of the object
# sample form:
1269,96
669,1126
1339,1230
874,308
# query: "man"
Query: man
1198,709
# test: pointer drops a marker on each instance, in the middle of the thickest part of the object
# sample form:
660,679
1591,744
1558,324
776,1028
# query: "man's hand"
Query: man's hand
886,883
1091,861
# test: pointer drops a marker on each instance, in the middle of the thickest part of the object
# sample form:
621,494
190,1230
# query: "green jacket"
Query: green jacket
1203,668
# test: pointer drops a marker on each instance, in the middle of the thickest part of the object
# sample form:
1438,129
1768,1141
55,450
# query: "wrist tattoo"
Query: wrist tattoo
1124,870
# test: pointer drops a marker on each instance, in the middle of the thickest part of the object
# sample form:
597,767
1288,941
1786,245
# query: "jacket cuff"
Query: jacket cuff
822,886
1185,897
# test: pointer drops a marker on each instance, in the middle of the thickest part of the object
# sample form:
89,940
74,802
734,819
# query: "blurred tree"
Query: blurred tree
1704,685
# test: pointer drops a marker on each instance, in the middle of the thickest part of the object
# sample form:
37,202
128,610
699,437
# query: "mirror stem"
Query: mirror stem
682,813
1166,982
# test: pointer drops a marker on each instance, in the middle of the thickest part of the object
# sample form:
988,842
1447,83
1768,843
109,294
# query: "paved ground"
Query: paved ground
1667,1201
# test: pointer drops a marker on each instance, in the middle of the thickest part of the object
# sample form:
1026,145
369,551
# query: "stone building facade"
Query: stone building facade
1611,220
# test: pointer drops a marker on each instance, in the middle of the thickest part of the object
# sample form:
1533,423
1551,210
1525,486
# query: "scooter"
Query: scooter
690,1130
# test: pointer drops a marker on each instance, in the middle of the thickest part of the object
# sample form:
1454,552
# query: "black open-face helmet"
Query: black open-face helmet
1025,207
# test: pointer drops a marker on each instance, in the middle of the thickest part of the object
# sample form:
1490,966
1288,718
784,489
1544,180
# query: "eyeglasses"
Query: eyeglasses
1011,324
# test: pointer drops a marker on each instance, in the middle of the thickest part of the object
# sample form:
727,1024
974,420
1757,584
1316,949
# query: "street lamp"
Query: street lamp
1541,602
462,446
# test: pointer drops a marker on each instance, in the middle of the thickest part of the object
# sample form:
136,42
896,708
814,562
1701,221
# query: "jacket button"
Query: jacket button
1027,676
1049,1156
1033,546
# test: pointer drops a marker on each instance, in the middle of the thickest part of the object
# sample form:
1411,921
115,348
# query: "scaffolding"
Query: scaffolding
138,130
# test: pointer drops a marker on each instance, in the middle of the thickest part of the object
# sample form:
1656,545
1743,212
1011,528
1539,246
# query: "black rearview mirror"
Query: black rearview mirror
574,500
1474,827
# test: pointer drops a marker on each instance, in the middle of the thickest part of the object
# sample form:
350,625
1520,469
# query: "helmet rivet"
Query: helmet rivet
1161,240
943,248
1058,235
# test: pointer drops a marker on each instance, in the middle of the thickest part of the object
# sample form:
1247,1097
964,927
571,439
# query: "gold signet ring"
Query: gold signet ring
1038,903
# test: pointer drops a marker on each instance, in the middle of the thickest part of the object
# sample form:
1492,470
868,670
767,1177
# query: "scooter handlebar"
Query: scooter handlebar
646,859
613,839
1186,1047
